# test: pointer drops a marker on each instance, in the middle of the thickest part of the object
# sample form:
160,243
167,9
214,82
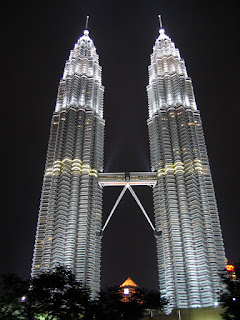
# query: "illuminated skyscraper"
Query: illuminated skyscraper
189,242
70,215
190,249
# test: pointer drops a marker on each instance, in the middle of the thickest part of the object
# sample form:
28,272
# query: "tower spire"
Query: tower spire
160,21
86,26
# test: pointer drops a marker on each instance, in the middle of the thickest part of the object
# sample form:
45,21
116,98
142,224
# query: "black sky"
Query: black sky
35,43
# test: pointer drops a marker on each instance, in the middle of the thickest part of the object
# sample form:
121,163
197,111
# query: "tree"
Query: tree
56,295
59,295
230,297
109,305
53,295
150,299
12,291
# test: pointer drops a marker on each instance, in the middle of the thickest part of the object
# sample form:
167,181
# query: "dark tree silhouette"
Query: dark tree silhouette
53,295
110,306
59,295
150,299
230,297
56,295
12,289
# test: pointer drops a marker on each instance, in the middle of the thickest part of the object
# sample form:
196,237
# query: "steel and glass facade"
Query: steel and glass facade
70,215
190,248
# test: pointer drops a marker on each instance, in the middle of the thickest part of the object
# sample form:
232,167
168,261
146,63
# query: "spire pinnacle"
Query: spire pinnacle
160,21
86,26
86,32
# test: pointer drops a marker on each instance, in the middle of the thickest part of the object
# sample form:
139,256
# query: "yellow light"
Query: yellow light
178,167
67,164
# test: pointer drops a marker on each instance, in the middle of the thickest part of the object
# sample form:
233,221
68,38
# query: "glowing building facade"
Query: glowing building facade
190,249
189,242
70,215
127,289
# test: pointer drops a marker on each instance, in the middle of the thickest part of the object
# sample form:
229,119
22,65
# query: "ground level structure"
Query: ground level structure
188,314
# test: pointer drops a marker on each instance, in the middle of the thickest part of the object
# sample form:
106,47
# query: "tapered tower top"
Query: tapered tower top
81,84
169,84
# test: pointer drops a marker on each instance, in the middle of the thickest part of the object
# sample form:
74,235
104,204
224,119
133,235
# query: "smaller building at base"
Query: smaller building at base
208,313
127,289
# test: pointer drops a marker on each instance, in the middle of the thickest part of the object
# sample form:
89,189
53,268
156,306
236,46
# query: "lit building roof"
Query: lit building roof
128,283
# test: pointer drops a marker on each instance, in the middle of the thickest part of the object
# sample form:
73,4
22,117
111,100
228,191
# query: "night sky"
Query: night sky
35,43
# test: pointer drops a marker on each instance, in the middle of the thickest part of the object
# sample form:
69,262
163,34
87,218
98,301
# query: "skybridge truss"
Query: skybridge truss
127,180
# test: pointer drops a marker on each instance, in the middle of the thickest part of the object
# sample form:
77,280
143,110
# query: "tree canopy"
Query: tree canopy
12,289
110,306
56,295
230,297
59,295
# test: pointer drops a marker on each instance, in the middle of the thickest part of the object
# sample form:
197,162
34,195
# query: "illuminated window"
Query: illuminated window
125,291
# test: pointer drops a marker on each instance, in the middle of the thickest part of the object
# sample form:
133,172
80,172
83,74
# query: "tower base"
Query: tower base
211,313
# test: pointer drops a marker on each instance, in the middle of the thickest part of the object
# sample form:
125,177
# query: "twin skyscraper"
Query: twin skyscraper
190,251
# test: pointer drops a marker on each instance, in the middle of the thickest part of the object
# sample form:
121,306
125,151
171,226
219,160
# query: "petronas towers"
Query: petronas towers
190,250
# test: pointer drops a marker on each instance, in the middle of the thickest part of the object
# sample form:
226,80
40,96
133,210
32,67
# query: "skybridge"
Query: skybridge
131,178
127,180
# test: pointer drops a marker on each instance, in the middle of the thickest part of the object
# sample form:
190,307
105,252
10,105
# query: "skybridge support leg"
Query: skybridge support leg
115,206
141,207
